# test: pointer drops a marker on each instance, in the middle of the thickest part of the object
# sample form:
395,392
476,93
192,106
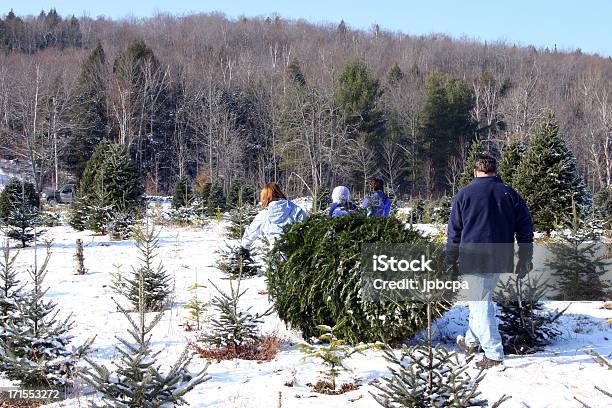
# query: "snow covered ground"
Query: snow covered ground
551,378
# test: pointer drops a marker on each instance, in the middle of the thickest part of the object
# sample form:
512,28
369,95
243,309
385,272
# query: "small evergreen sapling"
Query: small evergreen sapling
234,326
138,381
157,289
333,354
195,307
427,376
183,193
35,342
525,326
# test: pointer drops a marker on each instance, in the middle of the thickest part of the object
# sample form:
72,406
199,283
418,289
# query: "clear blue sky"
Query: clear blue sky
569,24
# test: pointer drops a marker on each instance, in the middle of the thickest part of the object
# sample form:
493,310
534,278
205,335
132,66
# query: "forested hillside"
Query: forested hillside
261,99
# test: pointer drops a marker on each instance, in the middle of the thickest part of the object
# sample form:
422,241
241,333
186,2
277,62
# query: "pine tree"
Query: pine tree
512,155
525,326
11,289
476,148
215,200
395,75
183,193
21,223
294,72
35,341
98,209
445,121
548,179
138,381
602,206
240,193
357,94
14,193
110,184
90,121
156,290
234,326
239,219
19,204
576,264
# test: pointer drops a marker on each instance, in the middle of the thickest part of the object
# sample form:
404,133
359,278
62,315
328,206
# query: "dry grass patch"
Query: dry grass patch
262,349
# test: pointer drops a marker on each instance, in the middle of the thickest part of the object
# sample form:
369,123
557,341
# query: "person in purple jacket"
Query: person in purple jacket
486,217
376,203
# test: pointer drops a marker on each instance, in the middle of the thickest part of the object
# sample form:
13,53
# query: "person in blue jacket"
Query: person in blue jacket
276,212
487,211
376,203
341,202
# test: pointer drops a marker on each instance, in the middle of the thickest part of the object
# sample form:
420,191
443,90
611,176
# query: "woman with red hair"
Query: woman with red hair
277,212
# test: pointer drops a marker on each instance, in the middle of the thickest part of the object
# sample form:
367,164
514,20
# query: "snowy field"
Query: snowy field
551,378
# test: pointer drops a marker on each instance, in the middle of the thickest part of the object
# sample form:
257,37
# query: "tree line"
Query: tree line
311,106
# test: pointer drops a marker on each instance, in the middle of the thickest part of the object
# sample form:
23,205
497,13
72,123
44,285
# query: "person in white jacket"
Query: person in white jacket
277,212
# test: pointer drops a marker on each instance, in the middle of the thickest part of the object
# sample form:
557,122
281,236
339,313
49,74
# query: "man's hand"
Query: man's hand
524,264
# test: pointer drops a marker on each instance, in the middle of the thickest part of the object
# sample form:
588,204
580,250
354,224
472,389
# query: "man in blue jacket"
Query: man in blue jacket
487,211
376,203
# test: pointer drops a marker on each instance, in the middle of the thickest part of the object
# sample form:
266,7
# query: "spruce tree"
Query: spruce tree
234,326
241,193
22,216
425,375
183,193
548,178
21,223
35,342
512,155
215,201
576,265
602,206
524,324
11,289
90,120
476,148
239,219
138,380
110,184
156,291
14,193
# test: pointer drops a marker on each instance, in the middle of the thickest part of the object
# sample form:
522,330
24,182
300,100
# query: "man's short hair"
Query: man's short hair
486,163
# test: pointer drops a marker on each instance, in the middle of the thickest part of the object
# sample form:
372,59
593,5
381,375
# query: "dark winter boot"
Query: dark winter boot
468,350
487,363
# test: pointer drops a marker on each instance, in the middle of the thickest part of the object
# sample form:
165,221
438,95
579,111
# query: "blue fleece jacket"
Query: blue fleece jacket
489,211
377,204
